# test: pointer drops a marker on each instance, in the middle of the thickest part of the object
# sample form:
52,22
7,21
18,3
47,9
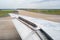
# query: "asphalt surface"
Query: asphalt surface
55,18
7,29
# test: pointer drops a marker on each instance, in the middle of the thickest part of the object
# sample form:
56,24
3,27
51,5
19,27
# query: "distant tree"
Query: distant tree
0,9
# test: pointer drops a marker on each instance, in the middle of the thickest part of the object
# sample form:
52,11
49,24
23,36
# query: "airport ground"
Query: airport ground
50,17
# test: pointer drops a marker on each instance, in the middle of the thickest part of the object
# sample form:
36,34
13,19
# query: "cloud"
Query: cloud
48,5
39,4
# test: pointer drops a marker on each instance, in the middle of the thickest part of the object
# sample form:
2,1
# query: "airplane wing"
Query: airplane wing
35,29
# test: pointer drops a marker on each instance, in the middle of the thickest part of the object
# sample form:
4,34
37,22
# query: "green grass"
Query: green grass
5,12
51,11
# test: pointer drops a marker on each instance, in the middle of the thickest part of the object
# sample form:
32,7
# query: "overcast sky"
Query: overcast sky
39,4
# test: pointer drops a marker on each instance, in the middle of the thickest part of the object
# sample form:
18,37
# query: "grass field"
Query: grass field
5,12
47,11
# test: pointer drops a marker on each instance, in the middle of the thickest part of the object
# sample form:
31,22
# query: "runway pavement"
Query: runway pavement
7,29
55,18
